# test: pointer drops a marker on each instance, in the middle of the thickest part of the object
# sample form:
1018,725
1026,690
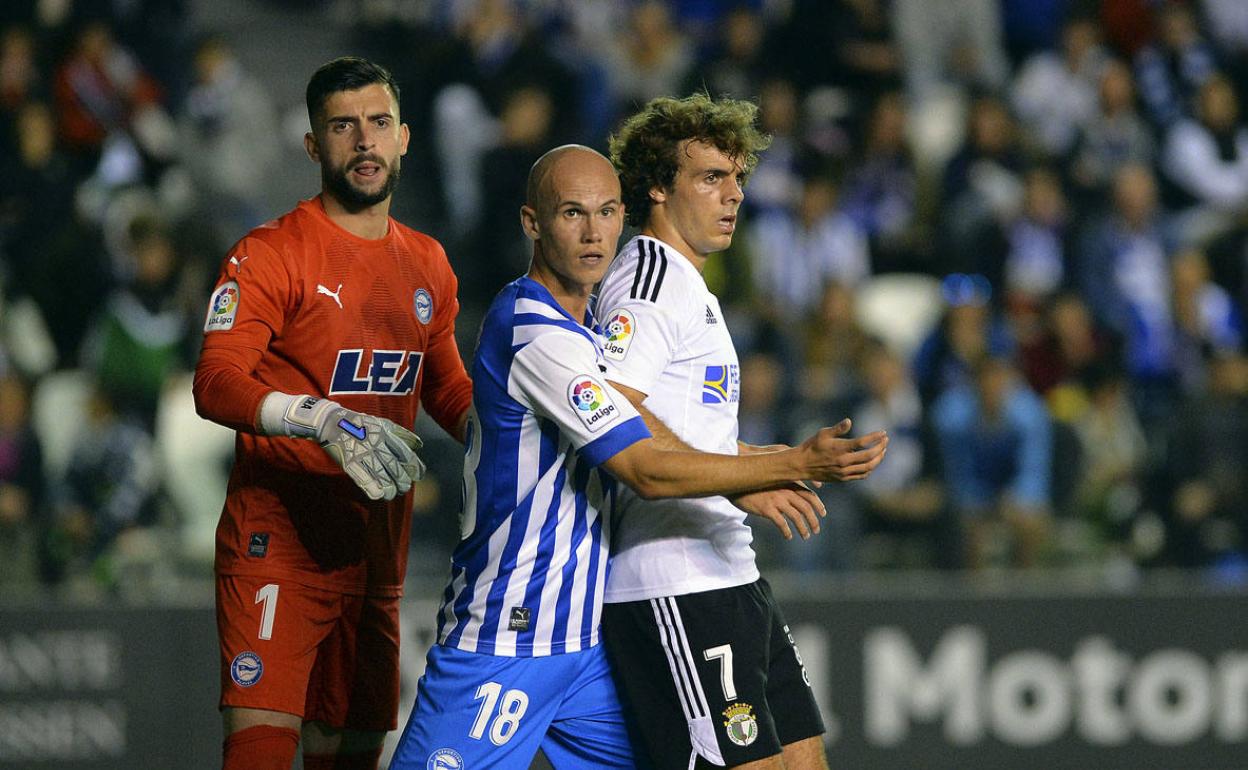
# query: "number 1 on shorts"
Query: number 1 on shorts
268,595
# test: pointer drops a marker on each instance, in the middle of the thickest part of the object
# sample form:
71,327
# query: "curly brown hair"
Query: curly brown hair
645,149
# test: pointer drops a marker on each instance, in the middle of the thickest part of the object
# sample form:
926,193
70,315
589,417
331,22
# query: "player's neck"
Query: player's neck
370,223
573,298
659,227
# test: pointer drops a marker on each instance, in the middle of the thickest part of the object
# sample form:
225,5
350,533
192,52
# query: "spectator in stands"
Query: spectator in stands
776,182
650,58
996,445
1113,137
1034,267
41,237
1054,94
1113,458
1124,274
1172,68
101,91
848,44
140,340
1227,22
109,494
20,79
833,344
229,133
493,53
957,42
22,486
1055,362
867,59
1205,459
906,502
798,251
983,183
968,332
1208,322
881,190
1207,158
737,66
524,134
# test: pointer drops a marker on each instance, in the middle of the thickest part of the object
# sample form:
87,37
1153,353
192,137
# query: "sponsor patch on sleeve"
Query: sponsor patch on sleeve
590,401
222,308
618,332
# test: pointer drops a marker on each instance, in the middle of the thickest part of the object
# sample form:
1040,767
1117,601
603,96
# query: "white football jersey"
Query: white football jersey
666,337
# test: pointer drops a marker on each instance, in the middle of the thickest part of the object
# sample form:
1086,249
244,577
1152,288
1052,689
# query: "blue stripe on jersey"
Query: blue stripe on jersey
596,556
528,319
621,436
519,523
527,578
533,591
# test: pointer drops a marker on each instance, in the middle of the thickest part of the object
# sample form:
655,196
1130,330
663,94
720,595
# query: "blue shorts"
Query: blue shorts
477,711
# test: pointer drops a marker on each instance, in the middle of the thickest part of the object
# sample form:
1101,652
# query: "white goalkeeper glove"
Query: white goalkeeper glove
378,455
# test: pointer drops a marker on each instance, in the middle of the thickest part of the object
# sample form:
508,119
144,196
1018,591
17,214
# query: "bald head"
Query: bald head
563,162
574,217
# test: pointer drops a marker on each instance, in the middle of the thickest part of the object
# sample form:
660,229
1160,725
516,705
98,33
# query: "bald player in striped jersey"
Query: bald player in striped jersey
517,666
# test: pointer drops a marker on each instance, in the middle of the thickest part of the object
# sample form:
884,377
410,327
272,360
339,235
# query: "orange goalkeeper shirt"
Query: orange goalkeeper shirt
303,306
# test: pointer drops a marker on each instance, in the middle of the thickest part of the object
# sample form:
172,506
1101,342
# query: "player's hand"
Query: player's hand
378,455
790,502
830,457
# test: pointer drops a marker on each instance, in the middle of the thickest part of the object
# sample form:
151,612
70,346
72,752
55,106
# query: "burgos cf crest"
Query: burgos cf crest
618,330
590,400
740,724
385,372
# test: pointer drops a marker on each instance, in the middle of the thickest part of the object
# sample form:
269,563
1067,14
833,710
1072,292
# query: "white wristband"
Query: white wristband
273,421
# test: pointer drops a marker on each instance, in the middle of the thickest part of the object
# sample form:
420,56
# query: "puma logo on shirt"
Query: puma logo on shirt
320,289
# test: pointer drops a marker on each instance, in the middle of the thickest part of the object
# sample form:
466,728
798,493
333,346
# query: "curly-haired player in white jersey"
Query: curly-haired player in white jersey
724,683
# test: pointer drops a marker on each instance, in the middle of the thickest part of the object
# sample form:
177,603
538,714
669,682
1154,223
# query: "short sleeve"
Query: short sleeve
557,376
641,337
249,303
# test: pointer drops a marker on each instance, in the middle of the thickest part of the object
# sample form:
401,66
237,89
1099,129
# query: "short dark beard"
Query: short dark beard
351,197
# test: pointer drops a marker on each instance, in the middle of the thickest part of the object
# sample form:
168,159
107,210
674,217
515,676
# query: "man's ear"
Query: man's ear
529,223
311,147
658,194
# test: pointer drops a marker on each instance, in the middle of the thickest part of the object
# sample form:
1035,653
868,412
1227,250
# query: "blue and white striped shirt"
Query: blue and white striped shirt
527,576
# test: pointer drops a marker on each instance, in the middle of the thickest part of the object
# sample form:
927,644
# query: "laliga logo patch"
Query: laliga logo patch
590,400
445,759
740,724
619,332
246,669
423,305
222,308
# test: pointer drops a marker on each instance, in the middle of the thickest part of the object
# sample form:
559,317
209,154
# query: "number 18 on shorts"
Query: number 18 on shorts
477,711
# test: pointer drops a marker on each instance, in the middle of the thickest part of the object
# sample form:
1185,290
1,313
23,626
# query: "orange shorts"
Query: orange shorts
324,656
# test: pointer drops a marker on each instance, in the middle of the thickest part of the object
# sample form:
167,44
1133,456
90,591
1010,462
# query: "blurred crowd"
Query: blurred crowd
1013,233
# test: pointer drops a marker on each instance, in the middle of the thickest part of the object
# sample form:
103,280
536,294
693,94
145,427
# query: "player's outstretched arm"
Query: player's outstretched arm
378,454
653,472
791,502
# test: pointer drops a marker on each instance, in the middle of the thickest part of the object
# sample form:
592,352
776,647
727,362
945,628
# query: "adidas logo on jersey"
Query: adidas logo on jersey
710,317
385,372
